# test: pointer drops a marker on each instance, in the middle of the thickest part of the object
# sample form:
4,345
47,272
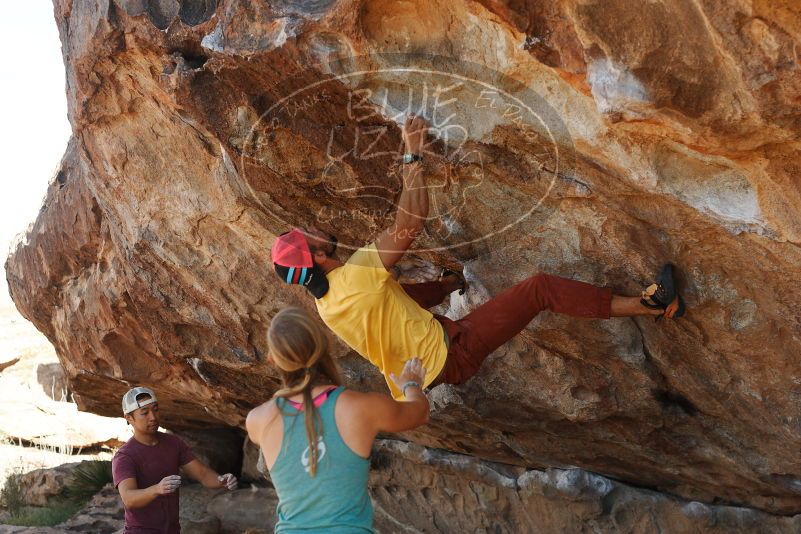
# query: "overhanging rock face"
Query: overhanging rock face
582,138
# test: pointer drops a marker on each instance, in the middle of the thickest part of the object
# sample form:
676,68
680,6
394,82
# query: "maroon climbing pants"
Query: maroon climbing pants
475,336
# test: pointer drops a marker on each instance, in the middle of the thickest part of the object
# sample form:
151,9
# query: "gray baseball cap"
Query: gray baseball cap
129,402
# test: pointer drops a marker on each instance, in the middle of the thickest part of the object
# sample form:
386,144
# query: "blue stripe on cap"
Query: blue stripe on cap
289,275
303,276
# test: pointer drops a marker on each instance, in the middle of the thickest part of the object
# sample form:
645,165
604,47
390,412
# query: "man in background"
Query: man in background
145,469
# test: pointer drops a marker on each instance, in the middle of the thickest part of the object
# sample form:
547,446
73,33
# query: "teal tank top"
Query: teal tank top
336,499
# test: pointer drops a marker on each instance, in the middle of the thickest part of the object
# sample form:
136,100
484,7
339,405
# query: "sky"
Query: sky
33,107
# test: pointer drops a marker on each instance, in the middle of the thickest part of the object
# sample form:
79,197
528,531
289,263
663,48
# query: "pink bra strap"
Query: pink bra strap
318,400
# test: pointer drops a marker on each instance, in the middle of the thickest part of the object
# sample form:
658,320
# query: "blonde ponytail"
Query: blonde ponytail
299,348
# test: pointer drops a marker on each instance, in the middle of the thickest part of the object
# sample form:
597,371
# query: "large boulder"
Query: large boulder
245,510
420,490
583,138
41,485
103,514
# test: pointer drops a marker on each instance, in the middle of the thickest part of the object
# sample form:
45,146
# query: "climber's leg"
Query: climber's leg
630,306
503,317
492,324
426,294
430,294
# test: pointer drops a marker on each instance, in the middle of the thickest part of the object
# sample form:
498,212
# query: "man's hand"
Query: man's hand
168,485
228,480
208,476
414,134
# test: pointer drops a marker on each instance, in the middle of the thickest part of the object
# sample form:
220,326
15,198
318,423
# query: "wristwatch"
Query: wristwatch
411,158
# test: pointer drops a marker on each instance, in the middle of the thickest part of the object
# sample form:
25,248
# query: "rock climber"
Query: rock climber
388,322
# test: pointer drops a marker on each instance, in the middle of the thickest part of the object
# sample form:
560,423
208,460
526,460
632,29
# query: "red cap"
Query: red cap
291,250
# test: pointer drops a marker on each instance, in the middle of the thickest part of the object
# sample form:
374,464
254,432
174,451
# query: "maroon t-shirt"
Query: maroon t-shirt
148,465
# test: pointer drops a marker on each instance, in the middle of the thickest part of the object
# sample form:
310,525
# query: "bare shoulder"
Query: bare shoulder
262,415
355,410
360,402
351,396
352,401
348,399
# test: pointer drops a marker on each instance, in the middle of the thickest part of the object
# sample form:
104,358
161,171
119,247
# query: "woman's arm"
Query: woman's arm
388,415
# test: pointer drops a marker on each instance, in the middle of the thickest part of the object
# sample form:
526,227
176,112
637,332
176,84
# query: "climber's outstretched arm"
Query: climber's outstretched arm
393,242
412,210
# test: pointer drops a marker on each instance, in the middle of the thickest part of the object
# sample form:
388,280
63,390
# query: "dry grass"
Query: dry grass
48,516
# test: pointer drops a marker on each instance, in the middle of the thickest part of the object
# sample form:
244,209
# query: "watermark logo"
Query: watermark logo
494,149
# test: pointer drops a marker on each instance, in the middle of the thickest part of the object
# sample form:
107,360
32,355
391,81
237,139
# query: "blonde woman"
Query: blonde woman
316,436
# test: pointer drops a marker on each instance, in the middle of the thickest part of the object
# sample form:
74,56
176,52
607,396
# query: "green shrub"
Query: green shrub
87,479
11,497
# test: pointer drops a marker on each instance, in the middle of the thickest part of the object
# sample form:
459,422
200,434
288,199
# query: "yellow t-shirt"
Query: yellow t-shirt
372,313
